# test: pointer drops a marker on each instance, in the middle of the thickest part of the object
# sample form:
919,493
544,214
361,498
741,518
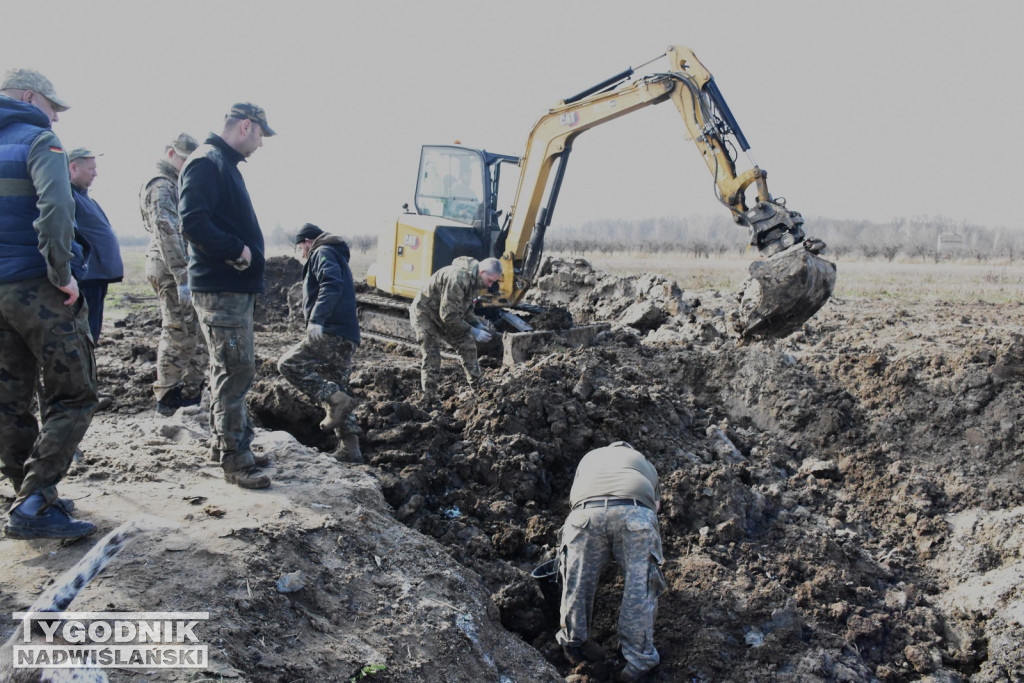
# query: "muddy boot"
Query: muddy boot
240,470
169,404
427,401
337,406
348,449
260,460
573,654
190,396
248,478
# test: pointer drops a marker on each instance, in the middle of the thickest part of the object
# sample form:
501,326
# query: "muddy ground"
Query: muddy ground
841,505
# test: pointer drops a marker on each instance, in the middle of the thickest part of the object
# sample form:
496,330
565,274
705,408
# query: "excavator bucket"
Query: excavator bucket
784,291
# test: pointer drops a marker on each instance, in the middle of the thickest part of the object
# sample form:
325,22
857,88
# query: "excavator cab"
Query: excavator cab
453,183
455,213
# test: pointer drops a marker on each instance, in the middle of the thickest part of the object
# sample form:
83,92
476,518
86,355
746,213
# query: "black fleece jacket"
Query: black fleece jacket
217,221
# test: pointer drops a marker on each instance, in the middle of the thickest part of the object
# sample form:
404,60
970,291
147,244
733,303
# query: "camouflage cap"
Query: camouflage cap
256,114
30,79
81,153
184,144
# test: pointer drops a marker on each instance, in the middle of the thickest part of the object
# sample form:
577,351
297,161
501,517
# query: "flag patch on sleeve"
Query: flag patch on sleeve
57,149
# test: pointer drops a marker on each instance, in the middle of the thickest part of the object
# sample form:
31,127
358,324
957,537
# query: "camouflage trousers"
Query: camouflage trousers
320,368
589,538
226,321
181,357
430,336
44,346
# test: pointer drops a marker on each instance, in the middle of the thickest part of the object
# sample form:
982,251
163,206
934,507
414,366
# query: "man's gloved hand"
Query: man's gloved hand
314,332
184,295
481,335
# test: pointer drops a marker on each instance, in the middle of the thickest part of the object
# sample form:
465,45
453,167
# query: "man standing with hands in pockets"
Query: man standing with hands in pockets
225,273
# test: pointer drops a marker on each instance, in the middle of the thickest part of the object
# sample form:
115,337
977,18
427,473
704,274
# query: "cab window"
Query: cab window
451,184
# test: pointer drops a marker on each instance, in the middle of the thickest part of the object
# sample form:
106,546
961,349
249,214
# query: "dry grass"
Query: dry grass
946,281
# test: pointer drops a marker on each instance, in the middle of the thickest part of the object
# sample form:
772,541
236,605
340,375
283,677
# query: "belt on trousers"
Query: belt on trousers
608,503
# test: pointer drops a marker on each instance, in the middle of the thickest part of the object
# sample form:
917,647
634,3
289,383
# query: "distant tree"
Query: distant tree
919,250
280,237
889,251
839,250
1009,250
363,243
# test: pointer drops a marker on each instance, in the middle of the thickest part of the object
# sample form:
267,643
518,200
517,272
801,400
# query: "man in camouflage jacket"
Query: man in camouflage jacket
181,355
444,311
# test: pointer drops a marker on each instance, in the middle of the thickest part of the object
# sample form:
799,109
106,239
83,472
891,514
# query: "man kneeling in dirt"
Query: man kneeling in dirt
320,364
614,498
444,311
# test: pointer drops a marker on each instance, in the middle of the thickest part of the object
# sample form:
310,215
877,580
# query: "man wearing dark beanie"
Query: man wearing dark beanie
320,364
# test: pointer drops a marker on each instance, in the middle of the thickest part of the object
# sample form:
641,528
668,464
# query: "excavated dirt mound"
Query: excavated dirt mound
841,505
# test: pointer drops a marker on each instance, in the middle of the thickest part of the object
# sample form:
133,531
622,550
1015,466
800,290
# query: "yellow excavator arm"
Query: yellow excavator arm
709,124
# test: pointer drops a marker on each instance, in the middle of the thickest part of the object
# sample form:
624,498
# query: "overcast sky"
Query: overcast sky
866,109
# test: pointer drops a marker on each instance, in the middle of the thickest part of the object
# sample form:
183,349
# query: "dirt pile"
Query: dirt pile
838,506
799,545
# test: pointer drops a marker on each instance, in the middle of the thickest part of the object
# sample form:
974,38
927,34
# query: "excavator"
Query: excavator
456,210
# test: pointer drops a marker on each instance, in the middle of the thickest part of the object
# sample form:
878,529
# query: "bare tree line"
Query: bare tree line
919,238
279,237
923,238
